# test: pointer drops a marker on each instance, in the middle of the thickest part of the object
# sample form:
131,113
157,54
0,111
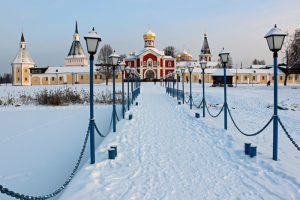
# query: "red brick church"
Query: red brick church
149,62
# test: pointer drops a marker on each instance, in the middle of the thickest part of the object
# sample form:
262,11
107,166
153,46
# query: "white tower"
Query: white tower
21,65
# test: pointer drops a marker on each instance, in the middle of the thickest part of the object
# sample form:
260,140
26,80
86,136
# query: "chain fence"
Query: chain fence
214,116
288,135
256,133
56,192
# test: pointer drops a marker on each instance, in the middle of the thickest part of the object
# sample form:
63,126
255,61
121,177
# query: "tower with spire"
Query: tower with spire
205,51
76,56
21,65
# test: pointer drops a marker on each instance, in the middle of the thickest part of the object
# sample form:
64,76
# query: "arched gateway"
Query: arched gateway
149,75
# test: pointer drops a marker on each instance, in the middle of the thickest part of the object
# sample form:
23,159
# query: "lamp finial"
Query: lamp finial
76,18
275,26
149,27
93,29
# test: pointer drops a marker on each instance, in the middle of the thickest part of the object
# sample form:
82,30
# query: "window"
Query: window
149,43
201,58
60,78
272,77
81,77
209,58
263,78
56,70
52,78
296,77
169,63
46,78
25,70
237,78
18,70
25,79
150,63
100,76
129,63
95,76
205,58
246,77
281,78
289,77
145,63
117,76
154,63
158,63
253,78
18,79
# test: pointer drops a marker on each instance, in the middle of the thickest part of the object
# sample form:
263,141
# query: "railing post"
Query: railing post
225,99
275,118
92,125
191,105
128,99
114,100
203,93
183,88
132,89
123,107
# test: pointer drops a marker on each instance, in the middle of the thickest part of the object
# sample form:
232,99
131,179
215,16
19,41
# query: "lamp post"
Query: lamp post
132,74
92,42
275,38
203,66
183,71
122,66
128,71
224,58
169,75
114,59
190,67
177,72
167,83
174,75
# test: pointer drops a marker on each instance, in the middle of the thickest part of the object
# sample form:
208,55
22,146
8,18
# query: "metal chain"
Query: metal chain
109,128
22,196
288,135
258,132
188,99
211,114
199,104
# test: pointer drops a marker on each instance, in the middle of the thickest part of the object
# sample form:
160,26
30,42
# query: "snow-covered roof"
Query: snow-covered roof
151,49
212,64
23,57
220,72
60,70
258,66
76,50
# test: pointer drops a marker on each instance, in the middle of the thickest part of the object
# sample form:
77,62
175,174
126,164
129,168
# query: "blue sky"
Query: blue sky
237,25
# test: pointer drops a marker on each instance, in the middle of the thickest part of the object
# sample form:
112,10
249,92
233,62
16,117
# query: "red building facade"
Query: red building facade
149,62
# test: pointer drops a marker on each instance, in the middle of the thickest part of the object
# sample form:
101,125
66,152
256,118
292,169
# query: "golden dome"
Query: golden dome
189,55
178,56
183,53
130,53
205,34
149,35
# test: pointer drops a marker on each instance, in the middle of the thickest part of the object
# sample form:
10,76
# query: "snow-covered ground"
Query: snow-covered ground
166,153
163,153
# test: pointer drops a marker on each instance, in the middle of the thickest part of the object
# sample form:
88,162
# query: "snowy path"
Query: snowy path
166,153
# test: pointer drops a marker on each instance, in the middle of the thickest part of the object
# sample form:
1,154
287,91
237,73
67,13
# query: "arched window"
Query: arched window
169,63
209,58
145,63
129,63
154,63
205,58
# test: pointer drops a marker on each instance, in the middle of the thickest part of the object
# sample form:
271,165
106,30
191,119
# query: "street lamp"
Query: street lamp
190,67
169,84
128,71
183,71
132,75
92,42
177,72
114,59
224,58
174,75
203,66
275,38
122,66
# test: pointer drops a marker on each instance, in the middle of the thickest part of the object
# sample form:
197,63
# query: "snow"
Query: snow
166,153
220,72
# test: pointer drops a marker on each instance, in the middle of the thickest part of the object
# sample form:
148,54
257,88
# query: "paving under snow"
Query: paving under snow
166,153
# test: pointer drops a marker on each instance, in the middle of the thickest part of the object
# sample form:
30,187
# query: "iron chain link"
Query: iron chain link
288,135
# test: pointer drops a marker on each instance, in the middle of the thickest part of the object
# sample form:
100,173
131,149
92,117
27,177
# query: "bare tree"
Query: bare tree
295,49
258,62
7,78
122,57
170,51
103,58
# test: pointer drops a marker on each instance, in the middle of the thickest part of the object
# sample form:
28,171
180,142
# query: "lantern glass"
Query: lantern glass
122,66
182,70
190,67
203,64
114,58
127,70
92,41
275,38
177,71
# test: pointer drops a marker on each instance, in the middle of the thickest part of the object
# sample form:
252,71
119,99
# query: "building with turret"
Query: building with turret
21,65
150,63
206,55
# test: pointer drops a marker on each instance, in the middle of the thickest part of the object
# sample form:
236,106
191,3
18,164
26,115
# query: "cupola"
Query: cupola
149,38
